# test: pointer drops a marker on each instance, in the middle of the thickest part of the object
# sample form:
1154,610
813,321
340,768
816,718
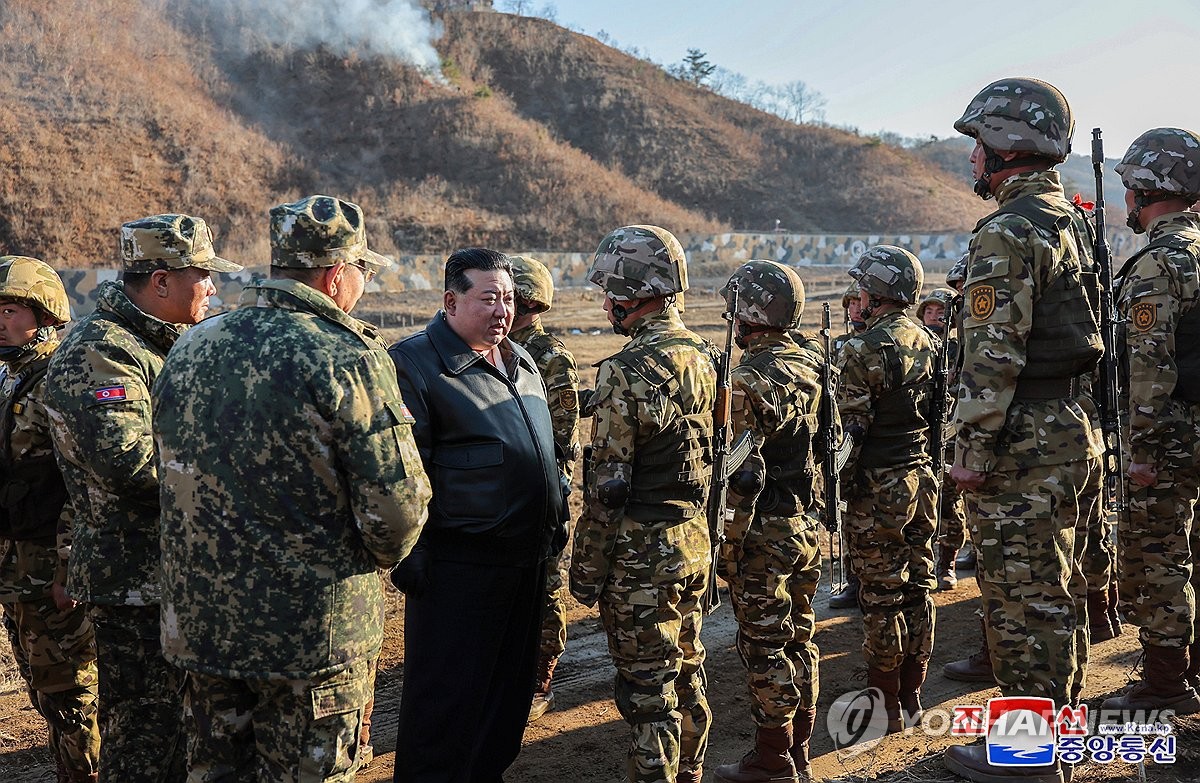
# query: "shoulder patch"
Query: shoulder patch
983,302
114,393
1144,315
568,399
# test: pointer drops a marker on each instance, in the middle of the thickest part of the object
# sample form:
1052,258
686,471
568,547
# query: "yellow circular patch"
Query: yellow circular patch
983,302
1144,315
568,399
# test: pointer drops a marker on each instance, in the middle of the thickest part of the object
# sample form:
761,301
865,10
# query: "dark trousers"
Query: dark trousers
470,650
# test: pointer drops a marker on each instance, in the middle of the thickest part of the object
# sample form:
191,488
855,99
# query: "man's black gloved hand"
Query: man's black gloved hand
411,575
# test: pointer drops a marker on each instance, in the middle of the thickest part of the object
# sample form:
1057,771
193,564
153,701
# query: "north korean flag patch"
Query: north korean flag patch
110,393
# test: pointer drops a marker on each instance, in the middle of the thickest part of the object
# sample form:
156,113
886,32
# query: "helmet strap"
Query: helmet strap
873,303
620,312
993,164
1142,199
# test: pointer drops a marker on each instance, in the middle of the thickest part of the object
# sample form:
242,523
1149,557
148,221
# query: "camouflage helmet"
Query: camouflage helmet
942,296
170,242
769,294
1163,159
320,231
850,294
34,283
958,272
639,262
532,282
1020,115
889,272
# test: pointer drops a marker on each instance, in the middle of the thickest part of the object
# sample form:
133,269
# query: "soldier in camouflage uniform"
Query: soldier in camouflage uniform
884,400
53,645
1159,296
847,597
641,547
98,403
535,295
279,649
771,555
1027,443
935,312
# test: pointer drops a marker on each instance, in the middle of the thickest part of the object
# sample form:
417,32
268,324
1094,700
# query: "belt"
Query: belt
1047,388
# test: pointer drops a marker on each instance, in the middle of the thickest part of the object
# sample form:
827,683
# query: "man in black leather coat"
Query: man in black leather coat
474,583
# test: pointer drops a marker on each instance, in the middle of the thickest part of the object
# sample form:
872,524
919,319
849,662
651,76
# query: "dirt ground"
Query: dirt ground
584,740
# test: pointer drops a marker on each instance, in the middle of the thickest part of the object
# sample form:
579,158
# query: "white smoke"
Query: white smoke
400,29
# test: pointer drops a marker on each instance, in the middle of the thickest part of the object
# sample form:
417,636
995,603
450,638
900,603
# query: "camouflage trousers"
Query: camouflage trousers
953,531
141,698
772,592
889,531
1156,573
290,731
654,641
1023,525
1091,523
1100,552
554,616
56,655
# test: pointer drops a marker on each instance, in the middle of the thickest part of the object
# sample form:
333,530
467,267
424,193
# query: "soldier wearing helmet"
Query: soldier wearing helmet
883,398
1030,336
771,558
98,403
642,545
52,637
1159,296
534,290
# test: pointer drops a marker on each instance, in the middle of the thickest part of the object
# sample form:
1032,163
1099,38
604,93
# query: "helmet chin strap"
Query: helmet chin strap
1142,199
620,312
994,164
742,334
872,305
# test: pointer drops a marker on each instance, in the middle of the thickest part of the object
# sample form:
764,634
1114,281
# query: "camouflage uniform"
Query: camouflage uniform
890,489
98,404
645,556
55,649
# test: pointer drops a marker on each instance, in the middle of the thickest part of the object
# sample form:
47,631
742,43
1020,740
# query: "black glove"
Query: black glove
411,575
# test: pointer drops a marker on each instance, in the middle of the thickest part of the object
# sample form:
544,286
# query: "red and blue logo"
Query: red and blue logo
110,393
1020,731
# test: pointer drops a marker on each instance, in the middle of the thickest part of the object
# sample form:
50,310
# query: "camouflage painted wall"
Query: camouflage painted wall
937,251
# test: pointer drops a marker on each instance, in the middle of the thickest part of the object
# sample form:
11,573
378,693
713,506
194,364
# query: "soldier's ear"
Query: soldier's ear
449,302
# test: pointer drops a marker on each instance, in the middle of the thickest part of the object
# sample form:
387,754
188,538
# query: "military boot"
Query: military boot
970,762
912,677
366,751
946,578
889,684
1163,686
802,729
848,597
1099,621
770,760
966,557
543,694
690,775
977,667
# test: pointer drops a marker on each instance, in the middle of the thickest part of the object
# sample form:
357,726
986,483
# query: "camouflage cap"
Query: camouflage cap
33,282
532,282
1166,159
769,294
170,242
942,296
958,272
889,272
1020,115
320,231
639,262
850,294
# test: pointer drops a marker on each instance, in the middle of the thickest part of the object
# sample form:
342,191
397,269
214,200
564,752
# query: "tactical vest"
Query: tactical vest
671,470
1187,331
899,432
32,492
1064,340
787,452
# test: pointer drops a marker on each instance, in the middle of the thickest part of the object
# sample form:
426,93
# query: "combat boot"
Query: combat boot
848,597
889,685
970,762
966,557
543,694
1163,686
946,578
912,677
977,667
802,729
770,760
690,775
366,751
1099,621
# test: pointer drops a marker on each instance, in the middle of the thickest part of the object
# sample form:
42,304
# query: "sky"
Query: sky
911,66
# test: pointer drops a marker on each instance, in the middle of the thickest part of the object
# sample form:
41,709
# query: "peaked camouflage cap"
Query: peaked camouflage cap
320,231
532,282
1165,159
639,262
33,282
1020,115
958,272
769,294
889,272
170,242
942,296
850,294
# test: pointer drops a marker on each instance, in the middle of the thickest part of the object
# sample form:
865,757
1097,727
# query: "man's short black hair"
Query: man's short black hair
460,261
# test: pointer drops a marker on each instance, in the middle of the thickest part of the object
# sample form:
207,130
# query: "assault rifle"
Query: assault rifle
831,460
1108,395
938,411
717,495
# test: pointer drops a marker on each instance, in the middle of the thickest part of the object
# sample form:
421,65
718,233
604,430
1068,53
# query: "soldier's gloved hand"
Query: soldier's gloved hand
411,576
728,558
